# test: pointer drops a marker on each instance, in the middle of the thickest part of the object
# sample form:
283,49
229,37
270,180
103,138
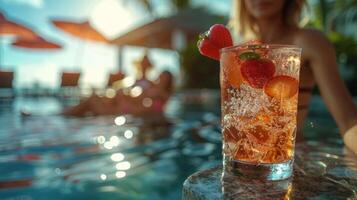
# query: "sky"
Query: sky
94,60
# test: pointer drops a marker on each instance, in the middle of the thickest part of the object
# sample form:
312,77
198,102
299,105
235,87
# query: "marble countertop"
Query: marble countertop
321,171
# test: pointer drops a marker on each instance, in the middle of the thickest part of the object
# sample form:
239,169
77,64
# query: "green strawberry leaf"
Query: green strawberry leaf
201,37
249,55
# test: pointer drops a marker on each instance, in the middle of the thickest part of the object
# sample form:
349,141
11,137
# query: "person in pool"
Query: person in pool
277,22
143,97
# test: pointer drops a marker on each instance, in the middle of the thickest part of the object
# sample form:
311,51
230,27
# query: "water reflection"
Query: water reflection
114,140
128,134
101,139
120,120
58,171
103,177
123,165
69,155
148,136
156,128
117,157
108,145
120,174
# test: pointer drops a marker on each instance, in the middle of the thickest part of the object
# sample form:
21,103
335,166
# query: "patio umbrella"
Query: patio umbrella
8,27
171,32
38,43
81,30
162,32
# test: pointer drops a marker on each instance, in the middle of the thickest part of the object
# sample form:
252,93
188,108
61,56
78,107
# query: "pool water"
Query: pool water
116,157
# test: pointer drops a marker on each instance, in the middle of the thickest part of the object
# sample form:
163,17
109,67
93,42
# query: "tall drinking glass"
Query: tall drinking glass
259,90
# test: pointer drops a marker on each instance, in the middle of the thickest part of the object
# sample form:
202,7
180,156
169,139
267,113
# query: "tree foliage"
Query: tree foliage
198,71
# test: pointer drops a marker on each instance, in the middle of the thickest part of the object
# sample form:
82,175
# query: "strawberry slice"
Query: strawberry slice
282,87
215,39
257,71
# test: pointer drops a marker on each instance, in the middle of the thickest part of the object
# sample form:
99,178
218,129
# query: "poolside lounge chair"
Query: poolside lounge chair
70,79
69,84
6,89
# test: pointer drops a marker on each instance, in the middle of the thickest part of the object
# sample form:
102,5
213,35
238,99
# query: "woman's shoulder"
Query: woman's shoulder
313,42
312,39
303,32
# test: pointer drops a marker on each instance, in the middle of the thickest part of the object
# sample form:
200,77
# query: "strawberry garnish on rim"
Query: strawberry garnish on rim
211,42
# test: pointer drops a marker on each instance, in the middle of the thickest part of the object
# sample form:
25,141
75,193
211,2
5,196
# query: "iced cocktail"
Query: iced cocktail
259,90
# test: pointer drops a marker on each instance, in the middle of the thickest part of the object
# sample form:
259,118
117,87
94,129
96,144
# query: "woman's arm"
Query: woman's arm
321,55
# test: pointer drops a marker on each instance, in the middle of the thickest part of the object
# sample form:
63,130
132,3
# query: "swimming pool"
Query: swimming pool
119,157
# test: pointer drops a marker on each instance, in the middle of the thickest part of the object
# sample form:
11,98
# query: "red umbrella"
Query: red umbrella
82,30
8,27
38,43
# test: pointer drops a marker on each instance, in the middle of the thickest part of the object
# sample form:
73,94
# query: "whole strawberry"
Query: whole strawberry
255,70
212,41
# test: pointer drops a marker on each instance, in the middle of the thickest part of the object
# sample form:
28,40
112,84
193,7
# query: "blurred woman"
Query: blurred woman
143,97
151,100
277,22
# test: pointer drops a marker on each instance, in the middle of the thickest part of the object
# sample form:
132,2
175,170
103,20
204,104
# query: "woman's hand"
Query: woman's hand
350,139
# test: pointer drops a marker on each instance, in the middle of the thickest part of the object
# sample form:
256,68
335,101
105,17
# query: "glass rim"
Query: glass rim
259,46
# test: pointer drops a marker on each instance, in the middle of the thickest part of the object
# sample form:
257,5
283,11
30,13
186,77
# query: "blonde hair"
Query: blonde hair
244,24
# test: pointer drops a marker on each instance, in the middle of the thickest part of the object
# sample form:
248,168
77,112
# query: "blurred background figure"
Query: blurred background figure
114,77
143,97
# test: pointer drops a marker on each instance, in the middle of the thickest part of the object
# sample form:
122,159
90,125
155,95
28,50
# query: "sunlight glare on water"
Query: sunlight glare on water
103,177
117,157
128,134
120,120
114,140
120,174
101,139
123,165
